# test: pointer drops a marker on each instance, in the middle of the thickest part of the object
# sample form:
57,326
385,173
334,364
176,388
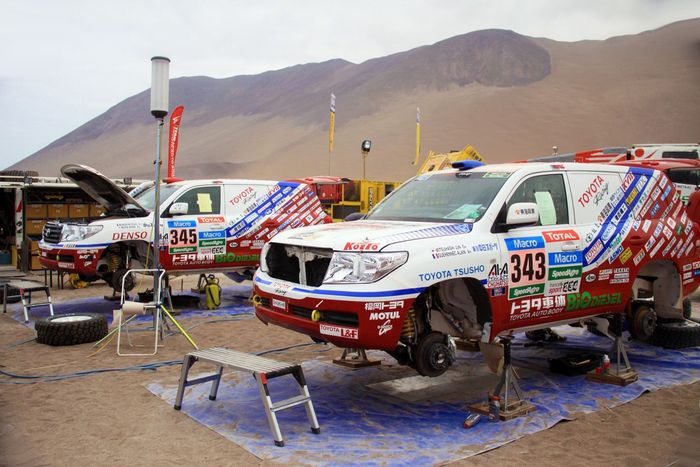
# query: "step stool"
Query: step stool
25,292
263,369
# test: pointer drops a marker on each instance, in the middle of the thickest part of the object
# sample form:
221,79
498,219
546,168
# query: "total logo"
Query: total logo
561,236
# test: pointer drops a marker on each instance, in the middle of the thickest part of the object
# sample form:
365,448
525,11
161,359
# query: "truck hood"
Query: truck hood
367,235
100,188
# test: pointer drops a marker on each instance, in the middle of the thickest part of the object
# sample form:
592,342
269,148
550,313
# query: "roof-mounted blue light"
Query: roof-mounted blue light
466,165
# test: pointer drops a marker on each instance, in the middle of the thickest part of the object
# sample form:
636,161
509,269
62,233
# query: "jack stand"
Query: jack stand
620,375
509,408
355,358
201,283
116,296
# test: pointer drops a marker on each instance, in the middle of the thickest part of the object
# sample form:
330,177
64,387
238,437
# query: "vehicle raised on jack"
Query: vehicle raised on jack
483,253
206,226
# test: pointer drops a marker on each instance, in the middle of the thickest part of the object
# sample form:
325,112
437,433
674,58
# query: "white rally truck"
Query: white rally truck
485,252
206,226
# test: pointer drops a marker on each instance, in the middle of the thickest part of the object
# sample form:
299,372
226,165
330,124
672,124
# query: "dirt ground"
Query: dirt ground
110,418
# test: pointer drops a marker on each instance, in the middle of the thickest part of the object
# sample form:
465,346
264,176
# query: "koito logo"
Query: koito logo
353,246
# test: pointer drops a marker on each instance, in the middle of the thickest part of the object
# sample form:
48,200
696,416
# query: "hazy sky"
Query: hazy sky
65,62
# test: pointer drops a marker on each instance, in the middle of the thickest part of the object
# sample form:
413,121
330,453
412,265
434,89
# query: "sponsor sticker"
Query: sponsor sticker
556,274
211,219
560,235
338,331
277,303
524,291
524,243
563,258
357,246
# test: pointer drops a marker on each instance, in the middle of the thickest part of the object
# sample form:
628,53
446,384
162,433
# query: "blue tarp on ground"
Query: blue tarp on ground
364,424
234,300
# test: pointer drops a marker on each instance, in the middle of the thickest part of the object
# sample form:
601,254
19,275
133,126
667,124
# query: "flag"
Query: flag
175,119
415,162
331,124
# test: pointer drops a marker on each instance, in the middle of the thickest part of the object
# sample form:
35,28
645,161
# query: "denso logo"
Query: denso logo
353,246
129,235
560,235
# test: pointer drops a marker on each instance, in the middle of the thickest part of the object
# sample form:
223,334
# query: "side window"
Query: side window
240,199
202,200
594,195
687,176
549,193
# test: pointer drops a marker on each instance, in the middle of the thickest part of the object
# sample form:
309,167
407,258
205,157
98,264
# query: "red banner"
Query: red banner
175,119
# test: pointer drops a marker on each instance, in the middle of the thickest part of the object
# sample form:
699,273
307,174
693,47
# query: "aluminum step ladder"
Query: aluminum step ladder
263,369
25,293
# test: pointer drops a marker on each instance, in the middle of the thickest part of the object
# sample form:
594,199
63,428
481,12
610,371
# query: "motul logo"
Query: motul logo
561,236
352,246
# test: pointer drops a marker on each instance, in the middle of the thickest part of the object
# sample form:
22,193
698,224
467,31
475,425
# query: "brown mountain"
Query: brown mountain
510,96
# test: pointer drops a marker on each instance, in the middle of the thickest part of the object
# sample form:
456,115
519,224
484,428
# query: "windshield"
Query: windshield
147,197
442,197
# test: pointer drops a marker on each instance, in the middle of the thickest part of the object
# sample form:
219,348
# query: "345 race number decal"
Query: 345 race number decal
182,237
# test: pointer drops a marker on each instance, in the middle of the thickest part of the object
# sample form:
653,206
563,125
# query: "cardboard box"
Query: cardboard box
78,210
57,211
34,227
35,264
35,211
34,245
96,210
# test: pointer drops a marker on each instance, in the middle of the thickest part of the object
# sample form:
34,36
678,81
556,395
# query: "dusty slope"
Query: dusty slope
492,89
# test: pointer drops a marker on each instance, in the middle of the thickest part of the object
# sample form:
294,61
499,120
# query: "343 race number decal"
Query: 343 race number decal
527,267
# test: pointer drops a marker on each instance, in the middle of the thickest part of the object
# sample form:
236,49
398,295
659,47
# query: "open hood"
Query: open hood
100,188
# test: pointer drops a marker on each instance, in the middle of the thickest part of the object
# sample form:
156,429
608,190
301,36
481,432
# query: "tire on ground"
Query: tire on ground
71,329
676,334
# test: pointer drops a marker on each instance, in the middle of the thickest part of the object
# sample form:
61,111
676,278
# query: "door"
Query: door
545,260
194,240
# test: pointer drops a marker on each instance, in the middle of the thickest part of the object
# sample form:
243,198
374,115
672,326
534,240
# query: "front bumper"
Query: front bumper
77,260
368,323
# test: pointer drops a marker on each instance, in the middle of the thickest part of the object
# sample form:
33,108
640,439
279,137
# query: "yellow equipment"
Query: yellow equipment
444,161
213,292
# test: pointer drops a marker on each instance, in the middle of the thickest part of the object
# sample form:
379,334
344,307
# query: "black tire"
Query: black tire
433,355
12,292
676,334
129,282
71,329
643,323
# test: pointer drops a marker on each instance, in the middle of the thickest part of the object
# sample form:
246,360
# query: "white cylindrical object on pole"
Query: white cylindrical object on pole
160,69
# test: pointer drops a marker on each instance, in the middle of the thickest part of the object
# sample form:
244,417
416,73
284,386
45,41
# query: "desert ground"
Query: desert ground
112,419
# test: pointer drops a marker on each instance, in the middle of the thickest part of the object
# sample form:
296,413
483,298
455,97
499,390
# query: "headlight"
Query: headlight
354,268
75,233
263,257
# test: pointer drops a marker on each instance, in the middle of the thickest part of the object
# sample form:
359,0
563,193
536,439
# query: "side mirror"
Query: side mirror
520,214
178,209
354,217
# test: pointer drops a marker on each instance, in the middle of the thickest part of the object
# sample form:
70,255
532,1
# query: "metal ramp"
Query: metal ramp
262,369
